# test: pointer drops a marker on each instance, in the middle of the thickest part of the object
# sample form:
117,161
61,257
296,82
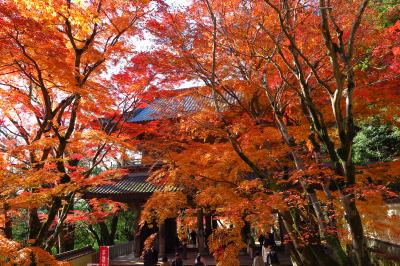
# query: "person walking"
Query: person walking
184,250
199,261
265,249
154,253
177,260
271,239
250,246
193,237
272,257
148,257
261,239
258,260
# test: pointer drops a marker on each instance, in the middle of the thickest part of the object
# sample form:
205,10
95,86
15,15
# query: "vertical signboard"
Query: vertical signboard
103,256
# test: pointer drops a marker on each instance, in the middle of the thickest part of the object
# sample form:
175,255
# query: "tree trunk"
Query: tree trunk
34,223
297,253
113,230
332,240
69,238
104,234
356,229
137,239
8,223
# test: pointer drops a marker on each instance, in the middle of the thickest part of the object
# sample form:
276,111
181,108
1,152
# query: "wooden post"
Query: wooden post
161,240
137,244
137,247
200,232
208,230
214,222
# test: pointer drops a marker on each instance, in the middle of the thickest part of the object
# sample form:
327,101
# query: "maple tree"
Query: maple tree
284,84
293,72
62,109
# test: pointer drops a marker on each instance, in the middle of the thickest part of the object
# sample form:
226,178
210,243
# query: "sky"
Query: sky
178,2
147,44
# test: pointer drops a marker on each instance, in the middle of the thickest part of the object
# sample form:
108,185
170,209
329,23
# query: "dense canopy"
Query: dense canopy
292,114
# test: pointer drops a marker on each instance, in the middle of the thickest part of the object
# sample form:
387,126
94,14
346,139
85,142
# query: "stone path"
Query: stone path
244,260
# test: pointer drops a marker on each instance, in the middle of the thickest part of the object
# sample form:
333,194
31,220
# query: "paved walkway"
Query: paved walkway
210,261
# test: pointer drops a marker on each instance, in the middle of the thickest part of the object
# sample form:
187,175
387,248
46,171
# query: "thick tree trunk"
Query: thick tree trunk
294,255
105,234
34,223
356,229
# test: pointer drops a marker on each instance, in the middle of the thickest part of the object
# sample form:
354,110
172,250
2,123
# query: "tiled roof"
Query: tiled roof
181,102
170,107
129,184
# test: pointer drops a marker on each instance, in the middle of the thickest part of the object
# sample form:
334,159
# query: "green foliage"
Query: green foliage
376,142
388,11
83,237
125,227
20,227
364,63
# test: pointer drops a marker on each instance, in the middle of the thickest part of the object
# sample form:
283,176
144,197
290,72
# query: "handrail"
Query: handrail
72,254
385,248
121,249
116,250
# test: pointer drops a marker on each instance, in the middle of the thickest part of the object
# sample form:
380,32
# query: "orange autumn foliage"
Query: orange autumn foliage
63,107
282,111
12,253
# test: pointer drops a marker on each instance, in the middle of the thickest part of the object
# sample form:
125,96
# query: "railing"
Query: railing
79,257
121,249
88,256
384,249
72,254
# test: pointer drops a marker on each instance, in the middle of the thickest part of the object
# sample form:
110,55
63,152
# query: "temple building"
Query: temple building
134,189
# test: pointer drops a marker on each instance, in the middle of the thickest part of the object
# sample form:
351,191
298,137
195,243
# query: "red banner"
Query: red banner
103,256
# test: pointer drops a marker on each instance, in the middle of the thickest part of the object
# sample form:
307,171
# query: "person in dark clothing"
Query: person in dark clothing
184,250
271,239
199,261
272,258
193,237
177,260
154,255
177,244
258,260
148,257
261,239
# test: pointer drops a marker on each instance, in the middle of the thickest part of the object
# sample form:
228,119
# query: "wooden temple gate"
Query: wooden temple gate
134,190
